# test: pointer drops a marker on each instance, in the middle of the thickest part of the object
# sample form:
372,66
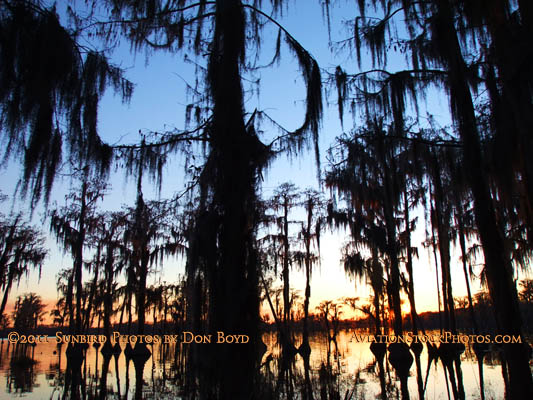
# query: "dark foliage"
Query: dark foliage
49,92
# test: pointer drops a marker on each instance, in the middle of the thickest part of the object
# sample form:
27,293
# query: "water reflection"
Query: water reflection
21,377
334,369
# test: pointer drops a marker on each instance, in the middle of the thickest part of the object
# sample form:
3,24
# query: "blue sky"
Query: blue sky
159,103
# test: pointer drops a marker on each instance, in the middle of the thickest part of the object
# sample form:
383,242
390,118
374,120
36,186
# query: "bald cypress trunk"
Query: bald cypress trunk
511,98
108,296
409,265
234,180
392,244
462,243
377,286
233,286
78,256
305,333
141,295
6,285
285,272
443,230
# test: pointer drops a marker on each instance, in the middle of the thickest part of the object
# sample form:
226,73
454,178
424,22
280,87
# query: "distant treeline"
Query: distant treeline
430,320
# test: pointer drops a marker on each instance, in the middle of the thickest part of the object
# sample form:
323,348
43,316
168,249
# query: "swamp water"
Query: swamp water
343,369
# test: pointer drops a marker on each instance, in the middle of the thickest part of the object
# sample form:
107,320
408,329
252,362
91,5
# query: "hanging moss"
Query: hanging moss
49,92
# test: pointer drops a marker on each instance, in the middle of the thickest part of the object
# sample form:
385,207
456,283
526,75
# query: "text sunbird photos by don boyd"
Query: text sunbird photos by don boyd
185,337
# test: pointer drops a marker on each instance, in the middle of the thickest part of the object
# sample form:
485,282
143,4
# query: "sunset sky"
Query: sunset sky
159,102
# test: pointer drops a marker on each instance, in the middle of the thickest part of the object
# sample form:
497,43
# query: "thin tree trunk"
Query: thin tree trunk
285,272
305,333
443,231
409,265
392,248
6,292
108,296
376,280
434,247
69,301
92,293
78,257
141,296
462,244
8,245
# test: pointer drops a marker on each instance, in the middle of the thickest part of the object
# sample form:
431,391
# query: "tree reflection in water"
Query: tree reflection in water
21,377
334,369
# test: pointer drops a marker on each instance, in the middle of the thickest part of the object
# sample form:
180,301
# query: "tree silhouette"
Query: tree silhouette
49,95
439,38
28,312
21,249
281,246
109,234
149,237
71,224
222,244
474,178
215,31
314,205
57,314
364,172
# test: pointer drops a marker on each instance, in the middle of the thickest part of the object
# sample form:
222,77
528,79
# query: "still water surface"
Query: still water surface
39,373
